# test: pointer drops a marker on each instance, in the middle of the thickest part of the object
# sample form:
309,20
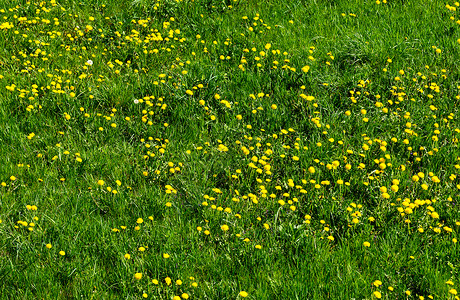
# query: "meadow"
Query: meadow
229,149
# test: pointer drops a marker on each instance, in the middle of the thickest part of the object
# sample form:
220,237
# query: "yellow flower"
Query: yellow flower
127,256
377,283
62,253
377,294
168,280
138,276
243,294
308,98
305,69
224,227
100,182
48,246
367,244
12,178
166,255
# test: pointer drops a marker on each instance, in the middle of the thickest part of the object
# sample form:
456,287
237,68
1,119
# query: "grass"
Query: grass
229,149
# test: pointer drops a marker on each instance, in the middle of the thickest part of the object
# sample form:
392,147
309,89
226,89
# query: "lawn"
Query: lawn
229,149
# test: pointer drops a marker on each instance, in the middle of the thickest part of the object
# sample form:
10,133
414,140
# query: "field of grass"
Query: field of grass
229,149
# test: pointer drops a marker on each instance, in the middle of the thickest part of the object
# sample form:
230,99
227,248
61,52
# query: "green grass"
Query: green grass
190,128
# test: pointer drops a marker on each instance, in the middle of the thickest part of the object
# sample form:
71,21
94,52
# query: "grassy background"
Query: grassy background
356,51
